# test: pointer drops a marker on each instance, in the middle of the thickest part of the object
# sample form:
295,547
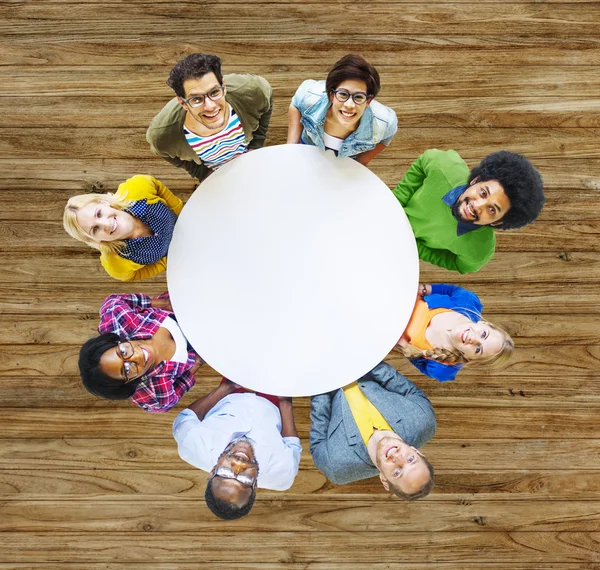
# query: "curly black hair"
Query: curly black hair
225,510
522,185
194,66
94,380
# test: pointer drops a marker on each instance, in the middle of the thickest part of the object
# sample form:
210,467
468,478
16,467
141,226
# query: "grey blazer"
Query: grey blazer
336,445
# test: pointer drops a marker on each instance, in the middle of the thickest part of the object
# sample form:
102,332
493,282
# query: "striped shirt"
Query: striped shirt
220,148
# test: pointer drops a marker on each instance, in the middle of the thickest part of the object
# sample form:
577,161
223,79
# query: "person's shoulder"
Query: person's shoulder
383,114
168,121
247,83
445,169
137,187
308,93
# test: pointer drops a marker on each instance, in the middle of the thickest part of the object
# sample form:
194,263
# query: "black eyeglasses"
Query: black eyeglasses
342,96
125,350
196,101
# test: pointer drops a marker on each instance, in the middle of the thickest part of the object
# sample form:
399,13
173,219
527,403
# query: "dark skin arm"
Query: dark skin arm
288,426
201,406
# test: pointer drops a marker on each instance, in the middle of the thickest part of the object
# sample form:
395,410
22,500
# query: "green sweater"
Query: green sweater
250,96
420,192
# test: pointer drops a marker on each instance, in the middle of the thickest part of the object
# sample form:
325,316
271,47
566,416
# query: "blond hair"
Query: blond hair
454,356
74,229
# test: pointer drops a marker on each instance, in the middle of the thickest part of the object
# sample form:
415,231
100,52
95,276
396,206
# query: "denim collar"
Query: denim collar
450,199
317,113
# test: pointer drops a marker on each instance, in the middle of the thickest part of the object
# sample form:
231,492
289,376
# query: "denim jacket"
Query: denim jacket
377,125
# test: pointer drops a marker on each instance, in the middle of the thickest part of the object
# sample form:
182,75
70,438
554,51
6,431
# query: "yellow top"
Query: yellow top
140,187
366,415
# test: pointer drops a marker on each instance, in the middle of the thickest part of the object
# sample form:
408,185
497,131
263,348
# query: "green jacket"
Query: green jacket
420,192
250,96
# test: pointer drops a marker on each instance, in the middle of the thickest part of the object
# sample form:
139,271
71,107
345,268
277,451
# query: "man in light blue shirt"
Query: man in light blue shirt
244,441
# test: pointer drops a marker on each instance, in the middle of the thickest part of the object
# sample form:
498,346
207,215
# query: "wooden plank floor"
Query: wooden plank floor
93,485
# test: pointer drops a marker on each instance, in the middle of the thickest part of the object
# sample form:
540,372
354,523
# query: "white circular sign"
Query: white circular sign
291,271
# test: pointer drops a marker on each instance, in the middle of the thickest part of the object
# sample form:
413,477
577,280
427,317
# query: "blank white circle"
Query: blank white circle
291,271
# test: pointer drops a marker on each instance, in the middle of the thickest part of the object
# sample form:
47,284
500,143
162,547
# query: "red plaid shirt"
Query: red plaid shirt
132,317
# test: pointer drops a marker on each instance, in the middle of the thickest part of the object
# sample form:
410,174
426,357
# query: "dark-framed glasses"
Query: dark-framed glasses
226,473
196,101
342,96
125,351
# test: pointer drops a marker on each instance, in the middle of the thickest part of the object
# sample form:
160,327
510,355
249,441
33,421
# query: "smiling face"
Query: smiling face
482,203
103,223
476,340
237,460
348,114
401,466
212,115
128,360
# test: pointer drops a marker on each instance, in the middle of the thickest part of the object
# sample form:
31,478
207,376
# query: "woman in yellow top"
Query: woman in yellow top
132,228
446,331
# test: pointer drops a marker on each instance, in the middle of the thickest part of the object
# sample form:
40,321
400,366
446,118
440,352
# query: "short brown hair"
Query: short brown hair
353,66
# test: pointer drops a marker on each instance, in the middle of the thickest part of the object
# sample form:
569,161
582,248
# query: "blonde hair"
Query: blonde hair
74,229
454,356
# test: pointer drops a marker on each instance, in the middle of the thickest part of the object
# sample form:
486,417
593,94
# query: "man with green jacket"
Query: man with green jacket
453,212
213,118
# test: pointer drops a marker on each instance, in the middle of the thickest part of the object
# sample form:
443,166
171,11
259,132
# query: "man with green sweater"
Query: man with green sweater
213,118
453,212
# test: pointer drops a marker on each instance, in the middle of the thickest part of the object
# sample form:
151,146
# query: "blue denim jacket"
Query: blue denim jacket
377,125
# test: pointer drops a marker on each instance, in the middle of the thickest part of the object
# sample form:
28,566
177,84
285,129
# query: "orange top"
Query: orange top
419,321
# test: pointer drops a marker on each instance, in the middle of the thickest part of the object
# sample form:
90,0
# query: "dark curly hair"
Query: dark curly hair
353,66
94,380
193,66
522,185
423,491
225,510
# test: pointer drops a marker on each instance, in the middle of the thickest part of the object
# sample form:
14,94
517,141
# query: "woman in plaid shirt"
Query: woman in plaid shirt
141,354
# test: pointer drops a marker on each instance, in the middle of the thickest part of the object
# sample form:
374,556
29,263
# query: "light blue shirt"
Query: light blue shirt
200,443
377,125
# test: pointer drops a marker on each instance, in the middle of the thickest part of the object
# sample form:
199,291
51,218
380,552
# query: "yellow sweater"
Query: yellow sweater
140,187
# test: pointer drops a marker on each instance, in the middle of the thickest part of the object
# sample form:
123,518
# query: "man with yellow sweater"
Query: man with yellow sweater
375,426
453,212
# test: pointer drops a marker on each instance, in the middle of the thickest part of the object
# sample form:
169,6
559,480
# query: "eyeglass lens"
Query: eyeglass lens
342,96
199,100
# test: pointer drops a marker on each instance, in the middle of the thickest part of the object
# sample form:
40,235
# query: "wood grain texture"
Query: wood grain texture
281,547
89,484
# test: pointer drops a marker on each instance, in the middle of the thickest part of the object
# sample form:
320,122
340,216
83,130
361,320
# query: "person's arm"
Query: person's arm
320,416
260,134
365,157
294,125
202,405
126,270
458,295
123,313
173,202
288,426
413,180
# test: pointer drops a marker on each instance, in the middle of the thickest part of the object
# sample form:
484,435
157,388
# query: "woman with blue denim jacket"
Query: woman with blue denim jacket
341,114
446,332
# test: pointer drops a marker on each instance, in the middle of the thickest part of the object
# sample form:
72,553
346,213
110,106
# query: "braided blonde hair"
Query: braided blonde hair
454,356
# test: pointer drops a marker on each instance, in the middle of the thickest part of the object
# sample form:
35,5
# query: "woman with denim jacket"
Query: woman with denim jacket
341,114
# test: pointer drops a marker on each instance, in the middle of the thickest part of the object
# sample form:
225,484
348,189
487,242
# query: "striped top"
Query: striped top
220,148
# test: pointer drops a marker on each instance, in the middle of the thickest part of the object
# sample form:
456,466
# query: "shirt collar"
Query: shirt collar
450,199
